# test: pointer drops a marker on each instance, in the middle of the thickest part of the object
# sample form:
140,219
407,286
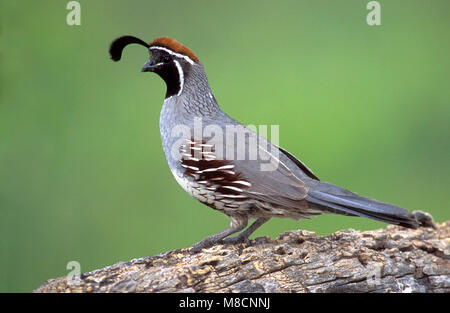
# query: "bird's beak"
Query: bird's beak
148,66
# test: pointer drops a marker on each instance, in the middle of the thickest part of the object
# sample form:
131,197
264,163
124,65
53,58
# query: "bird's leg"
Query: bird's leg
243,236
238,223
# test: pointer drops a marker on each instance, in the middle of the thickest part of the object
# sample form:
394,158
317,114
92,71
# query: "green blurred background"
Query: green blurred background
83,175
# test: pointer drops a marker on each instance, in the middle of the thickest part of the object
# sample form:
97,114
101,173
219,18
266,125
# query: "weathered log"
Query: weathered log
393,259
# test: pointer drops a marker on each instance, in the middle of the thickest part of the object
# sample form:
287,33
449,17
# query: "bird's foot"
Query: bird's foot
203,244
236,239
209,242
217,238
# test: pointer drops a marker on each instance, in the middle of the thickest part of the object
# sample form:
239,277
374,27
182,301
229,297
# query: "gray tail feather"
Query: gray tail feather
352,204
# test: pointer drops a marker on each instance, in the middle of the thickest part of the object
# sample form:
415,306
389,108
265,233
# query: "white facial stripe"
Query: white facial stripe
174,53
180,73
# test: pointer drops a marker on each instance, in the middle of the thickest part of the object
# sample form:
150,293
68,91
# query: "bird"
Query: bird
203,159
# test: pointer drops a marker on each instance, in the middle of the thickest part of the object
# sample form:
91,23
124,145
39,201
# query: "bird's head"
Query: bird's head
171,60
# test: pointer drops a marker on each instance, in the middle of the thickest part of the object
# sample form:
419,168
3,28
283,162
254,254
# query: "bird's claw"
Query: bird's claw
236,240
207,243
199,246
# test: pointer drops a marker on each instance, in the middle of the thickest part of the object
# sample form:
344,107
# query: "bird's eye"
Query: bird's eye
166,59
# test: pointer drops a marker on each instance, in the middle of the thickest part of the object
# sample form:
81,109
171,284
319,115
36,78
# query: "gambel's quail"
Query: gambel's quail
246,177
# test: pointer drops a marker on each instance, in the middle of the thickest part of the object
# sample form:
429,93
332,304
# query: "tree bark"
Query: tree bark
393,259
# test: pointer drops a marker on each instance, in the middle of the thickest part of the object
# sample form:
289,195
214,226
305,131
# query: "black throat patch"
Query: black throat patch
171,75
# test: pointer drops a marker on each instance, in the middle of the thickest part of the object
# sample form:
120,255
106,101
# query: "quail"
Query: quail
264,182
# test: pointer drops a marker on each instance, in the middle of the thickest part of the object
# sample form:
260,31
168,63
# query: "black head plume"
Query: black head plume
117,46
